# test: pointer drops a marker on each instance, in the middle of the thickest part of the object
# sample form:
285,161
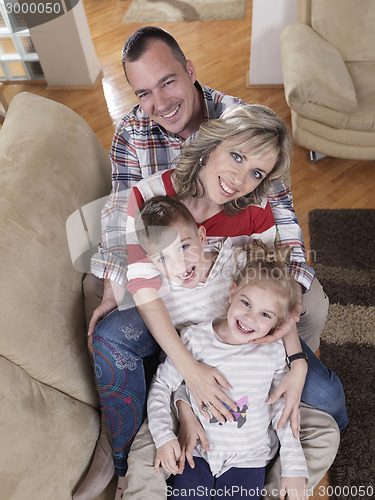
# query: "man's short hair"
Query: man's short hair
156,216
137,44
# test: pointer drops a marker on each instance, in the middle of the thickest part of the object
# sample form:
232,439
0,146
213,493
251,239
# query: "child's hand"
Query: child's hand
190,432
167,456
293,488
204,384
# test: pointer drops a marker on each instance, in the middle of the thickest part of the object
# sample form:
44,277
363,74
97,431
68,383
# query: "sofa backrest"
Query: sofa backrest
51,165
347,24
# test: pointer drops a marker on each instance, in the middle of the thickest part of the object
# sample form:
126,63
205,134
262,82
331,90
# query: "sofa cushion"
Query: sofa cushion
51,164
46,437
348,25
363,77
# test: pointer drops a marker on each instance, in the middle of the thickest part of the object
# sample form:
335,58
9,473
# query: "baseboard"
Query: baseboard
262,86
78,87
55,87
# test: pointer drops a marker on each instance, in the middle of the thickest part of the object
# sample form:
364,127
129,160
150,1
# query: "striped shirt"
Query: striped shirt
140,148
253,371
256,222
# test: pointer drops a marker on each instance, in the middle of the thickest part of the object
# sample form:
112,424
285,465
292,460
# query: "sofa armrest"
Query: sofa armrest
316,80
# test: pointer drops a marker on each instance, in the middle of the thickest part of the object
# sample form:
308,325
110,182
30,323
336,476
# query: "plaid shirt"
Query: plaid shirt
140,148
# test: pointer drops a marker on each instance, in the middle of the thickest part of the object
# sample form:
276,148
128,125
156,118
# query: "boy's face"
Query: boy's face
253,312
182,261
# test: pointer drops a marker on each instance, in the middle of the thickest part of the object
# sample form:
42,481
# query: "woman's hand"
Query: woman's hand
190,432
291,387
293,488
204,383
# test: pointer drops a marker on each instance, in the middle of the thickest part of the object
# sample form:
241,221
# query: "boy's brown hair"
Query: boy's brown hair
156,216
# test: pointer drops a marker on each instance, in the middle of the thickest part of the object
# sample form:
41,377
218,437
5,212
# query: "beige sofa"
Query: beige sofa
51,165
328,61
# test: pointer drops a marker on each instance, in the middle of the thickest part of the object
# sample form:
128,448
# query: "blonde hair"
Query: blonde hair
269,269
247,126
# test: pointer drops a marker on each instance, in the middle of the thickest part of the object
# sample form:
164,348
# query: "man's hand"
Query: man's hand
167,456
291,387
204,383
113,295
293,488
190,432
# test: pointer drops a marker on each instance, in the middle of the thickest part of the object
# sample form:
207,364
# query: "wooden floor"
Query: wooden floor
220,51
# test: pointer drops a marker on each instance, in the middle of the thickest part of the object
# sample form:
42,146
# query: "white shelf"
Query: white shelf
22,64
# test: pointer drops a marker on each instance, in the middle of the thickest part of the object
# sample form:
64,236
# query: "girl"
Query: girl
262,297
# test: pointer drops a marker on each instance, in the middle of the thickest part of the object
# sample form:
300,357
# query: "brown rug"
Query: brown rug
343,244
155,11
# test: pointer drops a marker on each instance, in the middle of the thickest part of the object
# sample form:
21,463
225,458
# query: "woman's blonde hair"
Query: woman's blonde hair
248,127
269,269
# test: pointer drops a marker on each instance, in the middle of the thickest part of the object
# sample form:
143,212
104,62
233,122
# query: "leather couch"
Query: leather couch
328,62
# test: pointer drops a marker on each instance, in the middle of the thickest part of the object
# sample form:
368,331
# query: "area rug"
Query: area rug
343,250
155,11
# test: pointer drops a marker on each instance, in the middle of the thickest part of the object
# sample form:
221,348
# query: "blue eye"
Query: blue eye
265,315
257,175
162,259
245,303
236,157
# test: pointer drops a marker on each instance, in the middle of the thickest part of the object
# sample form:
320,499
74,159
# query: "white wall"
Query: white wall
65,49
269,19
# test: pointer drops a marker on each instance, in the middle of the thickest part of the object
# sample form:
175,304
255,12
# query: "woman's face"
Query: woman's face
231,172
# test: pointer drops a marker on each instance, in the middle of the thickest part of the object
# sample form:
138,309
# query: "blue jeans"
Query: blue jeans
121,341
236,483
323,389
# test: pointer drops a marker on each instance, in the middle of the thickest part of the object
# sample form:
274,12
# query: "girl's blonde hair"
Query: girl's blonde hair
269,269
247,127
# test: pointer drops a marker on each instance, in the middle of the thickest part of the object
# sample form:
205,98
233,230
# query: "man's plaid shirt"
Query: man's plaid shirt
140,148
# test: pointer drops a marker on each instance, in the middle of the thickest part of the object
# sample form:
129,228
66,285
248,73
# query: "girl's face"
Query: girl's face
252,313
231,172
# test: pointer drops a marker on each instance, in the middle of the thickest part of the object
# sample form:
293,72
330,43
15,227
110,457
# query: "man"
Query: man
172,105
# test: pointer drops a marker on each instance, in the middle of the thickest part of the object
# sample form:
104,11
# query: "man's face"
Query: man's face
164,88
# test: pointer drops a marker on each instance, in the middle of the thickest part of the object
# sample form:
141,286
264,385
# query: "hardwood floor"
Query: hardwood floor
220,51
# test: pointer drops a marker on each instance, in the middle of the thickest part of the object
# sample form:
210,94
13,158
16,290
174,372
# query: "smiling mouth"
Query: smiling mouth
244,328
186,276
225,187
171,113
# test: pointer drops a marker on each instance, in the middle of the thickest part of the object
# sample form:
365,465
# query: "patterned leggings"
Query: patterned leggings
120,342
